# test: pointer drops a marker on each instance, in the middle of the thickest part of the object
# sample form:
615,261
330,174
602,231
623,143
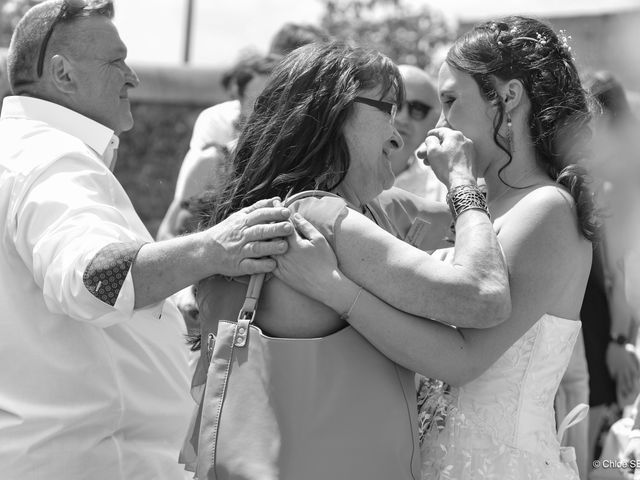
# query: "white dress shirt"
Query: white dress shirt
87,390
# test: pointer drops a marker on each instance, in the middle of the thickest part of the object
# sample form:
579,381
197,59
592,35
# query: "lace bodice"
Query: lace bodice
502,424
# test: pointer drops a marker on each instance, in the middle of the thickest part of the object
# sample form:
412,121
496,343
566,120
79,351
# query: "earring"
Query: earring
509,133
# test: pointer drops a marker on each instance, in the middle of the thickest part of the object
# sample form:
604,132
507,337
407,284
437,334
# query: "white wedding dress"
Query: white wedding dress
502,425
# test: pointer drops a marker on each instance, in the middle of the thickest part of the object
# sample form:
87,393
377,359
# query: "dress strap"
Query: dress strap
308,193
576,415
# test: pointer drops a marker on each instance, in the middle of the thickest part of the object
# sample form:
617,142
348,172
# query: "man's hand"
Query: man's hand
243,243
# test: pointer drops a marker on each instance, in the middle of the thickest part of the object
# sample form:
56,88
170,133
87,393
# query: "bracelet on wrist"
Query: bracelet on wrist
466,197
345,316
620,339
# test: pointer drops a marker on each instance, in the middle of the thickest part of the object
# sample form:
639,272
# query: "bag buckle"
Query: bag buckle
242,329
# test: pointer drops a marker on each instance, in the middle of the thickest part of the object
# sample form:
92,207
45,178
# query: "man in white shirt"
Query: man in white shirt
418,115
94,380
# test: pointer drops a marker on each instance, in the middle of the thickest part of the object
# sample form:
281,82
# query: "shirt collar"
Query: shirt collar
98,137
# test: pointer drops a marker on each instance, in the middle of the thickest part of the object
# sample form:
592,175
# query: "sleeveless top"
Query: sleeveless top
363,424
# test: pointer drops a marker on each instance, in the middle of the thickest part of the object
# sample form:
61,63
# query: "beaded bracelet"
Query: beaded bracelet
466,197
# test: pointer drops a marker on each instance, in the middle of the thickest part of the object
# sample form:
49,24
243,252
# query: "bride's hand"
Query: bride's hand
310,267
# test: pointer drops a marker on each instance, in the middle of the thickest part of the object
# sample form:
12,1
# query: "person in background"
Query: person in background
214,133
608,322
418,114
94,382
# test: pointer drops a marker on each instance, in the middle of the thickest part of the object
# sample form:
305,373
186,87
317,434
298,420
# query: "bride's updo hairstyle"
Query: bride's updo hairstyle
528,50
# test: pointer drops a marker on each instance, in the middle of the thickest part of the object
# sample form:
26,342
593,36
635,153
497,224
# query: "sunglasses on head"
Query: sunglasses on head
386,107
69,9
417,109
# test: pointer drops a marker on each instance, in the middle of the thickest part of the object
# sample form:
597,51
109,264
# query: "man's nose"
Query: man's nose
132,77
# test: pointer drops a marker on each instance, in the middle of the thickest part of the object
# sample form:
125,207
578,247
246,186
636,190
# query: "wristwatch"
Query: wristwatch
621,340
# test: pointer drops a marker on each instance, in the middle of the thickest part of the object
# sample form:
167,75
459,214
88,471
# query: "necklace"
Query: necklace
516,181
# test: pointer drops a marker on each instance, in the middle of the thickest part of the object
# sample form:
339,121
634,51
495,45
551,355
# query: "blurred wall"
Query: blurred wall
178,85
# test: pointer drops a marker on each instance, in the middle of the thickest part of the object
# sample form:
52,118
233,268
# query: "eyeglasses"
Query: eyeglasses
417,109
386,107
69,9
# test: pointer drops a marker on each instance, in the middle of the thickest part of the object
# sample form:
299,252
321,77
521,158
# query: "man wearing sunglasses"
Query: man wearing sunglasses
94,380
417,115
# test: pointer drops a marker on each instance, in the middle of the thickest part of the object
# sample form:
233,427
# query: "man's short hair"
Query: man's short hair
31,31
287,39
242,73
295,35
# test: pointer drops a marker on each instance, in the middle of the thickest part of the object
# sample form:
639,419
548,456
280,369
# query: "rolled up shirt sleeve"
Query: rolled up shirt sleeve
105,275
76,230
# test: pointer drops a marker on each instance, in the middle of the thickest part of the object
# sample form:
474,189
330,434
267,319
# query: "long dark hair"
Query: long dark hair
528,50
293,140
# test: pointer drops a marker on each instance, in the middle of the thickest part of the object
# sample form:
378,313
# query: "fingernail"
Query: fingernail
297,216
285,212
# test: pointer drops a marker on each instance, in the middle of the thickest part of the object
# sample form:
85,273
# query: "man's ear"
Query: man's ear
512,93
62,74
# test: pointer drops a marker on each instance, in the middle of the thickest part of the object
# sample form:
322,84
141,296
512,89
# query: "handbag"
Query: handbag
303,408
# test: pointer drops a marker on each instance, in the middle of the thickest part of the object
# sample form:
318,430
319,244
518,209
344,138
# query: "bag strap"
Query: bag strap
250,304
308,193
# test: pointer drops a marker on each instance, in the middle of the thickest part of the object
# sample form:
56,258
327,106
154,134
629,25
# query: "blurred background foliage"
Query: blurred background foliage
401,29
10,13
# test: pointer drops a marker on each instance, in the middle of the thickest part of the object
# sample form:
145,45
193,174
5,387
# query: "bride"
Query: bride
511,87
